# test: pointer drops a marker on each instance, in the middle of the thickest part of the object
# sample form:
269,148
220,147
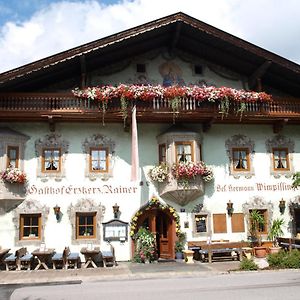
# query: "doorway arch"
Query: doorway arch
163,221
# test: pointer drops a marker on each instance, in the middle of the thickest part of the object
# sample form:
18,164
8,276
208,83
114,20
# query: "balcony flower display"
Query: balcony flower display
159,173
186,171
149,92
13,175
174,94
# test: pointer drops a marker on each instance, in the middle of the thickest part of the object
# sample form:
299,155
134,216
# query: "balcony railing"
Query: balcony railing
66,103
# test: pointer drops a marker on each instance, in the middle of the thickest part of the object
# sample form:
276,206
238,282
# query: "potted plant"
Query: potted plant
257,222
274,232
179,245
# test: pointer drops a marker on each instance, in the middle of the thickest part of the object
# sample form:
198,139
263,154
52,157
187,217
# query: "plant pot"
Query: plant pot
179,255
273,250
260,252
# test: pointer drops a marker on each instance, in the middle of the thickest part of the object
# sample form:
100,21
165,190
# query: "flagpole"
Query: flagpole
134,147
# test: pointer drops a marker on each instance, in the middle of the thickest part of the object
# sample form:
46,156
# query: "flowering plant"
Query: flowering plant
145,247
13,175
159,173
189,170
133,92
174,94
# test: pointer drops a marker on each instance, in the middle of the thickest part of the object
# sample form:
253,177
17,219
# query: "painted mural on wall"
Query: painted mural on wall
171,74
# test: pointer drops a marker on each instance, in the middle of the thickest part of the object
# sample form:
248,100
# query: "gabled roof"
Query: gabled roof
177,31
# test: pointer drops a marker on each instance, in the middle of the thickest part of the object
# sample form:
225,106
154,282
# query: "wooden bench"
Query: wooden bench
21,258
215,250
72,259
66,259
289,243
108,256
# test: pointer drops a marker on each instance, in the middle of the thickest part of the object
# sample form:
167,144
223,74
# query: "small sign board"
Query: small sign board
115,230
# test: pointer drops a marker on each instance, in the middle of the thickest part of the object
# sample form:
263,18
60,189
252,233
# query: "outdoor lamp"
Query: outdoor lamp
56,209
282,206
229,208
116,210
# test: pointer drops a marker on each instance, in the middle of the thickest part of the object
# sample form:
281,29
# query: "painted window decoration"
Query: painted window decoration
85,225
12,157
184,152
51,160
30,226
162,150
201,223
280,159
240,159
262,227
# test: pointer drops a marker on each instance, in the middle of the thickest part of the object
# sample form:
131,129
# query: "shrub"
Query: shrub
248,265
275,260
285,260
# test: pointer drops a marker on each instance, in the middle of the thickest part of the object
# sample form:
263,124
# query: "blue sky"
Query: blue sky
34,29
20,10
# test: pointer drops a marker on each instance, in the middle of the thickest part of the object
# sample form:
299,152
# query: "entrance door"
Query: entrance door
164,234
297,220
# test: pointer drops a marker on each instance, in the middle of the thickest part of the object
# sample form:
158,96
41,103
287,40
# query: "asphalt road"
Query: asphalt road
240,285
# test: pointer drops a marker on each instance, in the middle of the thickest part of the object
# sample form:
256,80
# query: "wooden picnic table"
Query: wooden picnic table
90,255
43,257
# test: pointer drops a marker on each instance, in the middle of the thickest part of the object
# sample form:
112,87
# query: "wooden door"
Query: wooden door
163,229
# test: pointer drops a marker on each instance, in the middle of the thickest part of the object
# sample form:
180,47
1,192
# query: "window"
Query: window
141,68
200,223
162,153
240,151
280,159
263,228
240,159
184,151
98,160
85,225
198,69
12,157
281,149
51,160
30,226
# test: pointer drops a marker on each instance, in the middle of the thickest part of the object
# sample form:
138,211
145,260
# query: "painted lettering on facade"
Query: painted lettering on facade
81,190
256,187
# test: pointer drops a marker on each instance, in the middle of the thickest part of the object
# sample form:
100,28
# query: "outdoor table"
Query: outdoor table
3,252
43,257
90,255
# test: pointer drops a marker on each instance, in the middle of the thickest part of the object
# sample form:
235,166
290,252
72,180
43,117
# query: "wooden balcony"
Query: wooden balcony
66,107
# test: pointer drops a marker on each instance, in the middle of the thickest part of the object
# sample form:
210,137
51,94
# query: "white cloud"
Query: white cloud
63,25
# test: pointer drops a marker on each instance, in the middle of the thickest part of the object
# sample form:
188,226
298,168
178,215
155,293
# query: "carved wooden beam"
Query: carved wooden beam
255,79
175,38
51,121
207,125
278,126
82,71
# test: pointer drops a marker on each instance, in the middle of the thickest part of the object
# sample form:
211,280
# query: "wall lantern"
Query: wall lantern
229,208
282,206
116,210
56,209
